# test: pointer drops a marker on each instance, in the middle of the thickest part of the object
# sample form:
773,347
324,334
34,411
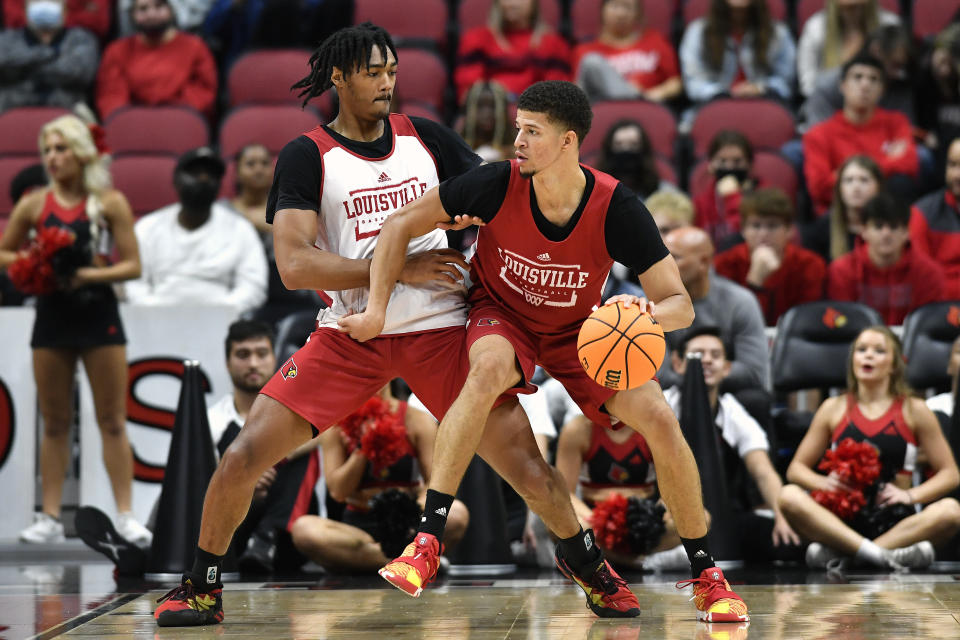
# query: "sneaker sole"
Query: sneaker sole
401,583
706,616
175,619
94,526
600,612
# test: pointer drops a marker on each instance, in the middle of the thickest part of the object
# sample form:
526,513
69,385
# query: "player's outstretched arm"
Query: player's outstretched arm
663,286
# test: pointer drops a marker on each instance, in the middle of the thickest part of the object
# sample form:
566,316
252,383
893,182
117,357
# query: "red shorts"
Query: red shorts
333,375
557,354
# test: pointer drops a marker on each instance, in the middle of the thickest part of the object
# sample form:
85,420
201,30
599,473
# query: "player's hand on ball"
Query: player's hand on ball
434,265
628,301
361,326
460,223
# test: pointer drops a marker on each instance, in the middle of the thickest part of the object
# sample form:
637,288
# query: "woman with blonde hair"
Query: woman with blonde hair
80,320
879,409
835,34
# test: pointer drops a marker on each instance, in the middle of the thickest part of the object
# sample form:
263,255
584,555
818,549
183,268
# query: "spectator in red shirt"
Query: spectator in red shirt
516,49
885,272
731,171
627,60
779,273
160,65
92,15
860,128
935,223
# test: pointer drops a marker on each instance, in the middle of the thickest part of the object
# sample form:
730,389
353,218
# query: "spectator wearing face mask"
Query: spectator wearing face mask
197,251
160,65
45,63
92,15
627,155
718,203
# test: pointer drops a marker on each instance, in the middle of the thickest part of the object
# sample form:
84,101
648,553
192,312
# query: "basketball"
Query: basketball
620,348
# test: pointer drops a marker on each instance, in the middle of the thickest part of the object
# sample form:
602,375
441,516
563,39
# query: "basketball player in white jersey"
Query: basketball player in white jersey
333,188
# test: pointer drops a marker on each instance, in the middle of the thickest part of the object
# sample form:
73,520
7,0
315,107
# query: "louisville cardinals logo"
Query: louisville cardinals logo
953,316
833,319
289,370
618,474
487,322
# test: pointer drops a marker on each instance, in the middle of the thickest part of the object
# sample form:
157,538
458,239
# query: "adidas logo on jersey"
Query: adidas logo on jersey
383,177
442,511
544,256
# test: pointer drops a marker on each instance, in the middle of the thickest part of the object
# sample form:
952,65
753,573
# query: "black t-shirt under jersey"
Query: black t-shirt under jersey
299,172
631,235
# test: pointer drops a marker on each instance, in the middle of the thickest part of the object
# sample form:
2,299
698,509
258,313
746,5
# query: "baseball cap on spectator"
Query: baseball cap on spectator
202,156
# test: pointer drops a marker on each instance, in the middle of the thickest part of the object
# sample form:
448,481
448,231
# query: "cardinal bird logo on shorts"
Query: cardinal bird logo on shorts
289,370
487,322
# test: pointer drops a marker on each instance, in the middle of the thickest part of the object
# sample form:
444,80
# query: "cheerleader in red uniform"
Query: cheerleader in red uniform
79,321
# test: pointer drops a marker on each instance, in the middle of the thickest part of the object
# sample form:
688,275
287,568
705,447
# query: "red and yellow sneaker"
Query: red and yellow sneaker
185,606
607,593
714,599
416,566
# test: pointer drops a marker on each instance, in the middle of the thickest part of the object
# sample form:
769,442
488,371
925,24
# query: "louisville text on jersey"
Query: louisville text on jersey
371,206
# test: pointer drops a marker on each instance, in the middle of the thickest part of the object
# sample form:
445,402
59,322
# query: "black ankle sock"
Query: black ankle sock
581,552
206,571
698,551
435,511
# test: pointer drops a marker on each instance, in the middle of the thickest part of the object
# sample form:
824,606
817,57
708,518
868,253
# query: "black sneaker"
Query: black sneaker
97,531
185,606
259,554
607,593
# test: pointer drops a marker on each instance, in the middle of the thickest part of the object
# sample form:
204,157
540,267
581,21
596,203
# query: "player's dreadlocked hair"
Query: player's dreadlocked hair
346,50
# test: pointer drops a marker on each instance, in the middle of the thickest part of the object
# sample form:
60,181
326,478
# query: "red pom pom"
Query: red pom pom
609,520
855,463
32,272
378,432
845,504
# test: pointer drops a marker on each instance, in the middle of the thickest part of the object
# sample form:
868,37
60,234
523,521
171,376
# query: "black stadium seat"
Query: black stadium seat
928,334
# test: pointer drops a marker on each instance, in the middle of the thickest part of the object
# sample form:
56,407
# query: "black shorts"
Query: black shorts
82,319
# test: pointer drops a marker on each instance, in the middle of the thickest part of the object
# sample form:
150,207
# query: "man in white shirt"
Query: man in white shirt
746,442
196,251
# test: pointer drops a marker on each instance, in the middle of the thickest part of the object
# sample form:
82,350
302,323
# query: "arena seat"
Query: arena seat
265,76
10,166
928,335
146,181
272,126
657,120
931,16
773,169
806,8
585,17
766,123
693,9
421,110
20,128
410,22
293,331
812,342
143,130
474,13
427,83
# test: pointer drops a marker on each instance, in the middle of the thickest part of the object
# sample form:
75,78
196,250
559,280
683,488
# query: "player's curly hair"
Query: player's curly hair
347,49
563,102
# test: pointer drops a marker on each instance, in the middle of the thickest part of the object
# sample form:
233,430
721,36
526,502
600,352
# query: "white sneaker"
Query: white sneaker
45,528
919,555
670,560
133,531
823,557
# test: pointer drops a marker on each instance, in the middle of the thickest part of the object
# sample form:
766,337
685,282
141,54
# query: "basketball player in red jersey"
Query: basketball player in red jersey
333,187
553,229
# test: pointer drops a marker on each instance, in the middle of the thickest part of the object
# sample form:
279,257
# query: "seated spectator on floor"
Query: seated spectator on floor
885,272
878,409
362,542
627,60
861,127
44,63
627,155
942,403
935,224
731,175
616,462
487,126
671,209
832,235
752,481
737,49
892,45
92,15
516,48
835,34
938,94
779,273
197,251
160,65
718,302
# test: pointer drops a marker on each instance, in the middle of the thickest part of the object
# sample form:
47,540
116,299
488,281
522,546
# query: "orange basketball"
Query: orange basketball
620,348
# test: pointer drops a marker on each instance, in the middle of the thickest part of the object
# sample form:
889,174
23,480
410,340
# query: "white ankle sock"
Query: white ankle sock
872,553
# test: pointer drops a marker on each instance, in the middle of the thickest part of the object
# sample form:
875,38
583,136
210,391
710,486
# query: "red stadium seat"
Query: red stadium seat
666,170
766,123
20,129
931,16
425,78
146,181
411,22
585,17
271,126
474,13
172,130
265,77
772,168
656,119
10,166
421,111
806,8
694,9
